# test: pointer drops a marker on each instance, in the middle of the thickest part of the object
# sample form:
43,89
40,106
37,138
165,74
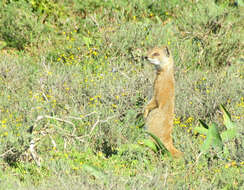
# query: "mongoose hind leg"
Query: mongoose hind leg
162,128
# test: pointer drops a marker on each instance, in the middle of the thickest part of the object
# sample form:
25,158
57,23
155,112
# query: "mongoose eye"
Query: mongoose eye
155,54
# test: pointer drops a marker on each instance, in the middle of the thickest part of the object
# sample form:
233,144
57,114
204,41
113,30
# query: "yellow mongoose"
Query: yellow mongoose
159,112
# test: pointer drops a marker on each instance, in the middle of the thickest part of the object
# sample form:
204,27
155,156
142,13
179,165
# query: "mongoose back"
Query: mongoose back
159,112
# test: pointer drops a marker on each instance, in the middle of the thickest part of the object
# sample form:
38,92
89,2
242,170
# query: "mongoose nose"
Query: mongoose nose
145,57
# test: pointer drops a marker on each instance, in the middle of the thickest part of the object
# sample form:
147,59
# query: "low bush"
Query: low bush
19,27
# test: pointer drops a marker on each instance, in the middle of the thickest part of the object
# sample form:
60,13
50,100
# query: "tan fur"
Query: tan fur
159,112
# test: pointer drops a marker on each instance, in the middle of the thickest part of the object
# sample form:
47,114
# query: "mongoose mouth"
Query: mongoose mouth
154,61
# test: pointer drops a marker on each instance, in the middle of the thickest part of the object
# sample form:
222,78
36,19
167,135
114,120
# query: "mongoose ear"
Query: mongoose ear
167,51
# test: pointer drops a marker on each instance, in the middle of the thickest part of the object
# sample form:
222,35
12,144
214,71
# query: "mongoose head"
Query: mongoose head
160,57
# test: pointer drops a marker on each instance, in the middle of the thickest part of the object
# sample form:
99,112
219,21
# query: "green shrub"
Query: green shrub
214,38
18,26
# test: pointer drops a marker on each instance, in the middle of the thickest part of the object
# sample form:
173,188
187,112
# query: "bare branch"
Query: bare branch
95,124
81,118
8,151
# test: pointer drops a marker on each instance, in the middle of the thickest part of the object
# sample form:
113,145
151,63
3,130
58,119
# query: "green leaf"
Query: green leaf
229,134
201,130
207,143
213,139
227,118
203,124
159,144
216,138
150,144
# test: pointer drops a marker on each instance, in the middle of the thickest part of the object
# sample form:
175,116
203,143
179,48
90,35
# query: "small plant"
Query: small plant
214,138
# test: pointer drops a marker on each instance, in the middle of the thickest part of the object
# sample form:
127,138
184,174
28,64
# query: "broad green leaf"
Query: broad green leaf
203,124
207,144
227,118
213,139
229,134
201,130
150,144
216,138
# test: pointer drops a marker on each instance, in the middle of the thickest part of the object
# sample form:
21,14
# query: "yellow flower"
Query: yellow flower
100,154
189,120
183,125
114,106
203,136
176,122
4,121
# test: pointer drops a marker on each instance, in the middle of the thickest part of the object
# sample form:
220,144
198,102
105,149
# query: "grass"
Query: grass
73,79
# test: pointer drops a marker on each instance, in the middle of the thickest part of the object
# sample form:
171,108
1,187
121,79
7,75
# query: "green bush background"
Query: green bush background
73,71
